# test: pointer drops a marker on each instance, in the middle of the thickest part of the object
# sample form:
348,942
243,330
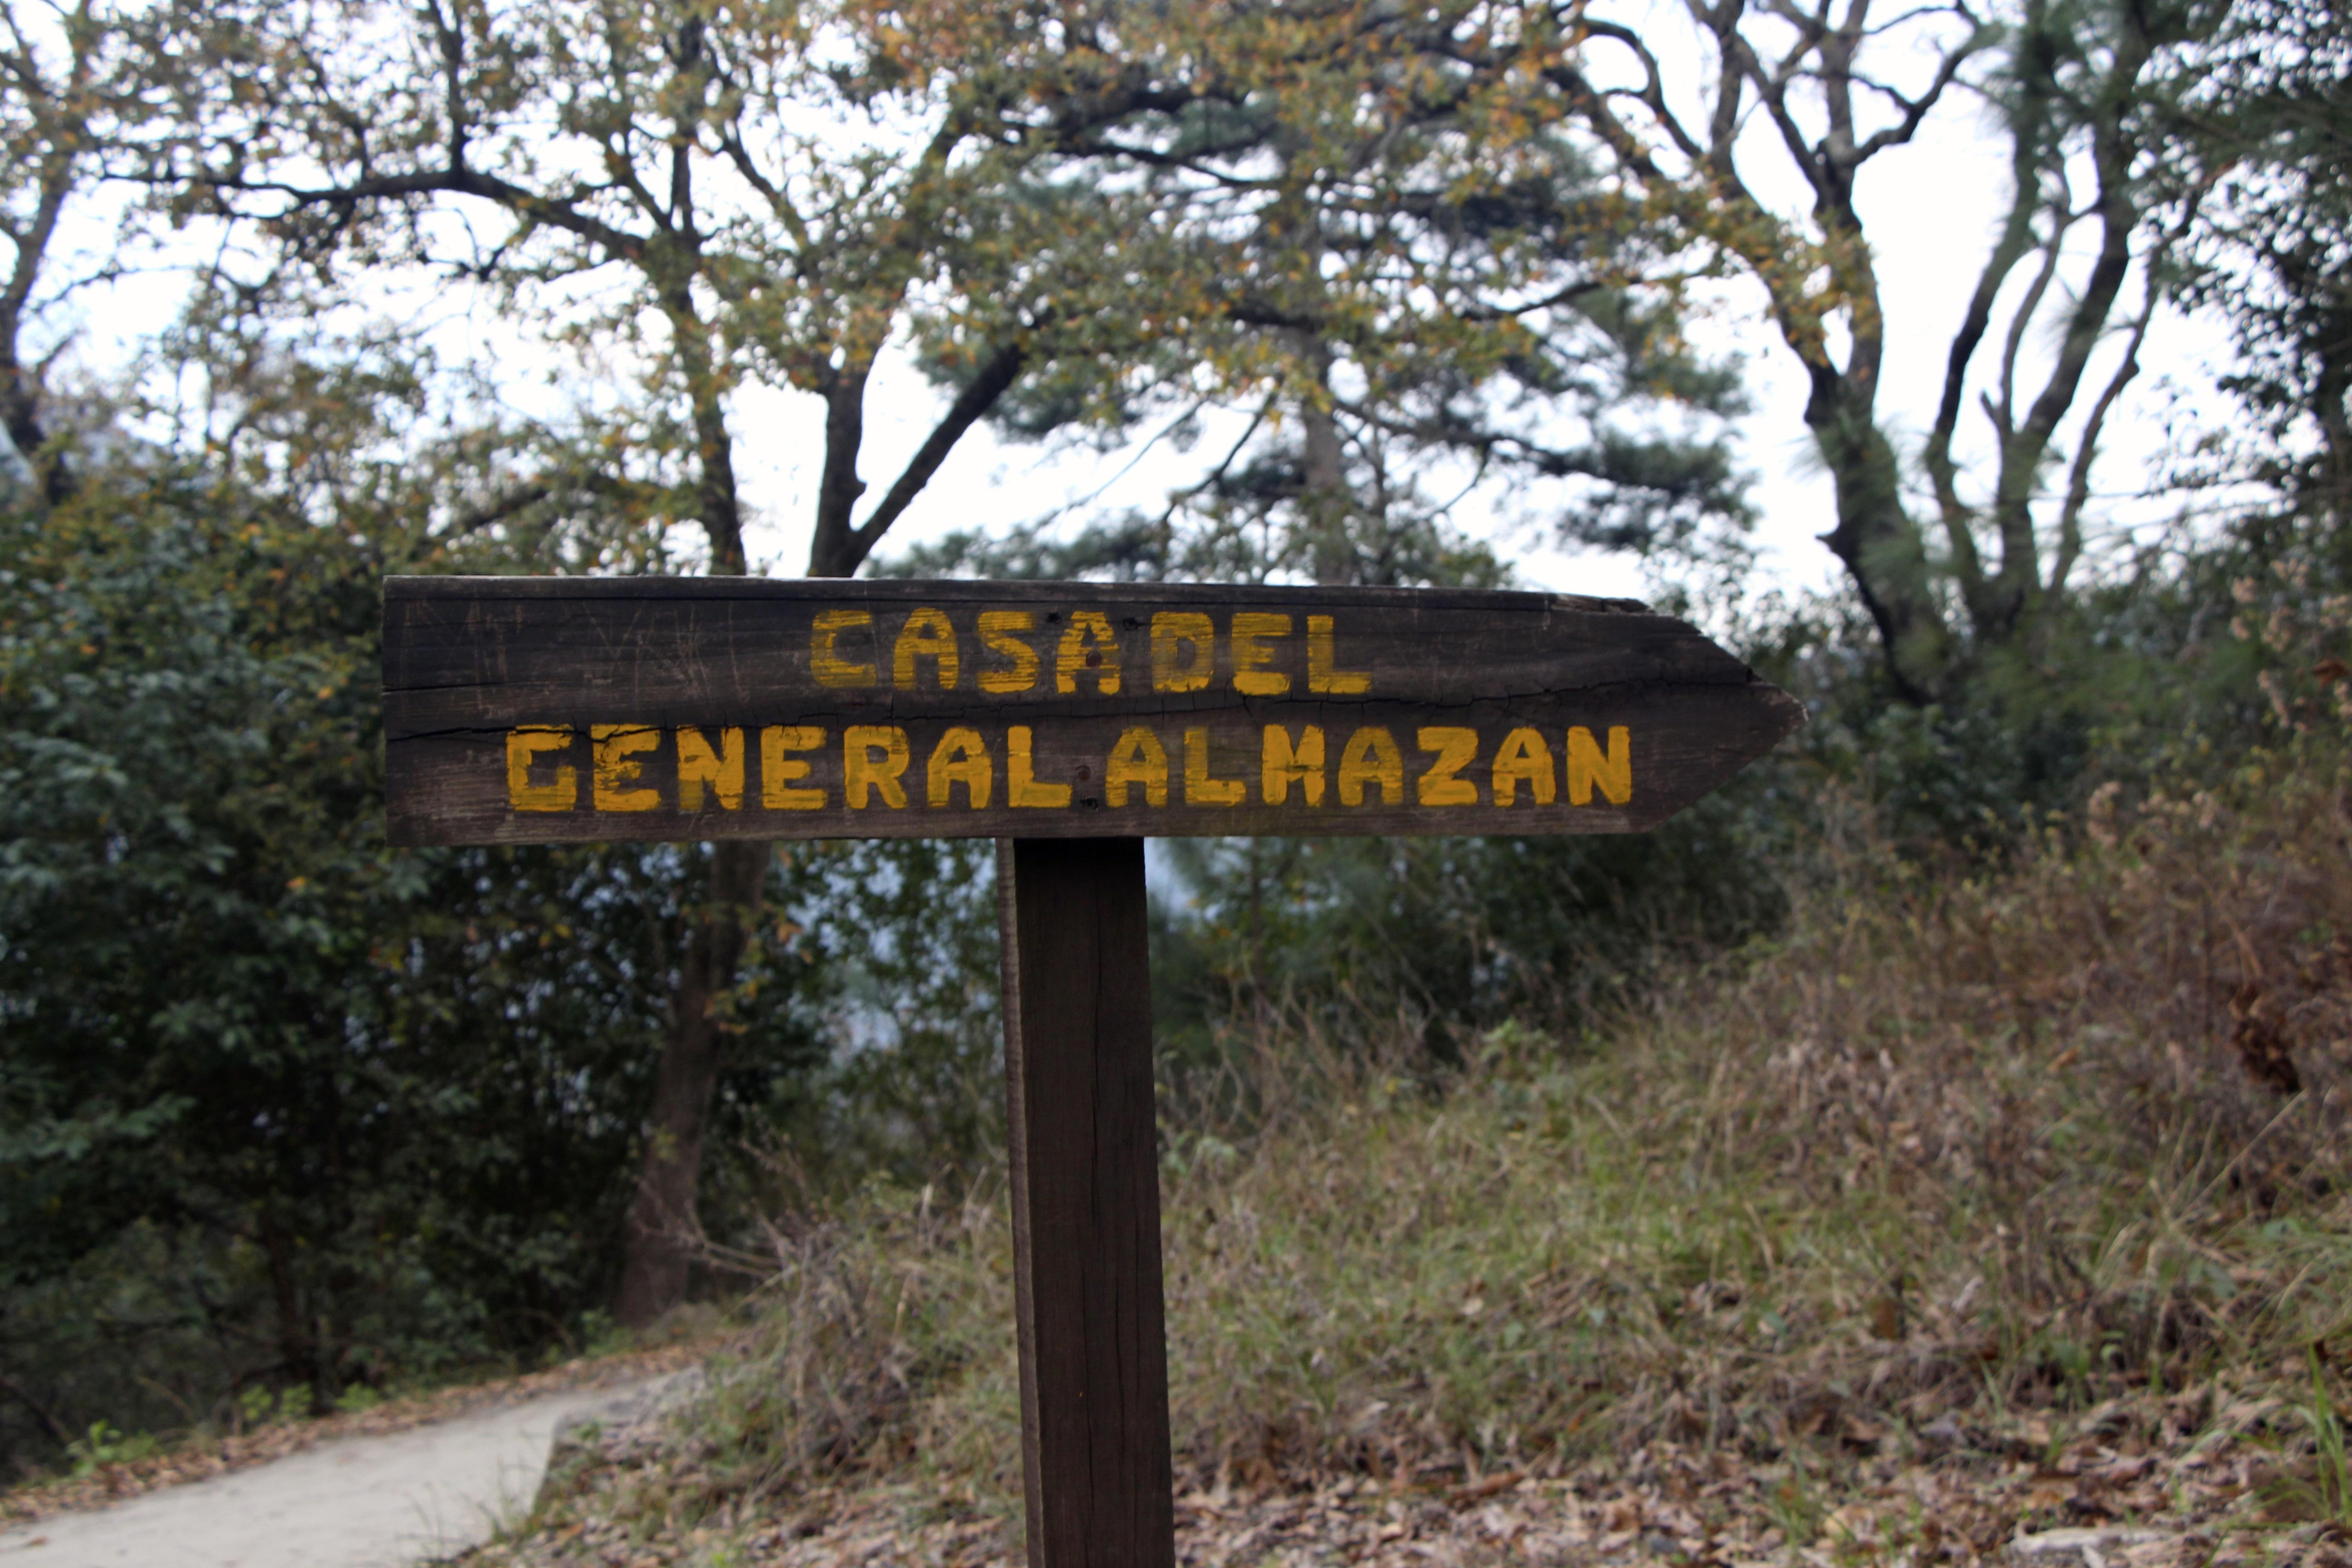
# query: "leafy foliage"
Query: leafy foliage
279,1105
1443,939
2270,249
1379,249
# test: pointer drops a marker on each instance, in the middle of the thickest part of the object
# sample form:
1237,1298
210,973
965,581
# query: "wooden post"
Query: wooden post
1079,716
1085,1203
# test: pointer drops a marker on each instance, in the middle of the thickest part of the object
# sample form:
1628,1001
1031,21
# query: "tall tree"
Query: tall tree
2271,249
1378,248
637,178
1828,91
262,1084
66,102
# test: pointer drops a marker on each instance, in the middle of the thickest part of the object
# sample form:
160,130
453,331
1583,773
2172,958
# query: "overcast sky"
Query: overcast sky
1930,209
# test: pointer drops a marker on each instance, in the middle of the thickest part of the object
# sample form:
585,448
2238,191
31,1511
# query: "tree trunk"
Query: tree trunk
1324,500
660,1234
298,1348
661,1230
20,389
1880,546
2333,406
834,547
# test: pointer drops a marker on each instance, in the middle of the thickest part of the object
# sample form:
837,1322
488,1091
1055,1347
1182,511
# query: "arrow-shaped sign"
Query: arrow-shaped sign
537,710
526,710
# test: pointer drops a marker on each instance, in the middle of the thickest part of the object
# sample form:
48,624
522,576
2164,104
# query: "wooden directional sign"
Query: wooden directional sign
1070,721
538,710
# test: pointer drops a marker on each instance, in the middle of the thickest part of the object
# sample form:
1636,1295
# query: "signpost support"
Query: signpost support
1068,721
1085,1203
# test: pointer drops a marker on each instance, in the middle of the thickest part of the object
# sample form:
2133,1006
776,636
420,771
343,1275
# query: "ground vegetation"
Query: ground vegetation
1971,1203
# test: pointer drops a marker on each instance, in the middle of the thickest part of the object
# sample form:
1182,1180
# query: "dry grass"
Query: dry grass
1963,1171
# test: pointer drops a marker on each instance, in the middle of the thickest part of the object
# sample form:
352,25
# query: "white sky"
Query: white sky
1930,208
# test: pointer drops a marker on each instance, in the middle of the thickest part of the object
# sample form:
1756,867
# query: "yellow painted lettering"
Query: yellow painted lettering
997,629
778,771
1323,673
1251,677
1455,750
1183,650
873,756
1088,645
1283,762
1201,787
1138,759
722,771
961,758
1587,766
1020,783
615,769
926,635
1371,757
824,658
1524,756
561,791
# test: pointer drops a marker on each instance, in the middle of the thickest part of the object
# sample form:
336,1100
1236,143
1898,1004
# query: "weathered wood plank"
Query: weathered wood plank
524,710
1085,1203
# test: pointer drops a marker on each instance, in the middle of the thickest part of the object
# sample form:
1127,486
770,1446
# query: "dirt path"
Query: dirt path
376,1501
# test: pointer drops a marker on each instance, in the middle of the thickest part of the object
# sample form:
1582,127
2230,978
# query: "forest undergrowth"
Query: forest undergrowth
1982,1200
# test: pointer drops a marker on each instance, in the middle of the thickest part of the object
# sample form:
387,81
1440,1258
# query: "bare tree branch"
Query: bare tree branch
978,395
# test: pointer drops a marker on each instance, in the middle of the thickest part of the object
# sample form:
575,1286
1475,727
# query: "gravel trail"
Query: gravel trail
380,1501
